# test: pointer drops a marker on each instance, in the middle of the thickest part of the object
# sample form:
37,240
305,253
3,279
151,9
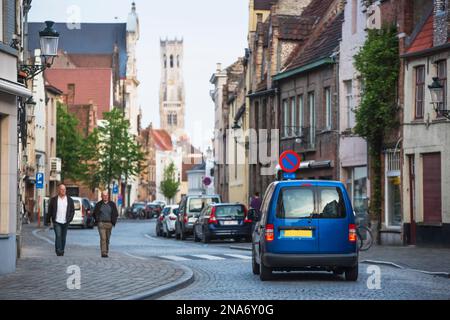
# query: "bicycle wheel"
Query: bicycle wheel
365,238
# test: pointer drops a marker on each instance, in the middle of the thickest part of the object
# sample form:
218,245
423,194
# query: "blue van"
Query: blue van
305,225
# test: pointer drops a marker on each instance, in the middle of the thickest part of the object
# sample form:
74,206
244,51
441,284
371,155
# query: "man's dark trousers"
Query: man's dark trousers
60,237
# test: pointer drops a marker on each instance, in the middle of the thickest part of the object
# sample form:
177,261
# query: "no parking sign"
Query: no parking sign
289,161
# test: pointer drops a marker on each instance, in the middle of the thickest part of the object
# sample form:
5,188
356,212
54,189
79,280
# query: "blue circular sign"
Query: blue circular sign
290,161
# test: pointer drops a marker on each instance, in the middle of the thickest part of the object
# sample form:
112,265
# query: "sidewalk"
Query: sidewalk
430,260
41,275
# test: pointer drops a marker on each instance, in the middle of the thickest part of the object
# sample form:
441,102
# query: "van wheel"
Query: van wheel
265,273
255,265
351,274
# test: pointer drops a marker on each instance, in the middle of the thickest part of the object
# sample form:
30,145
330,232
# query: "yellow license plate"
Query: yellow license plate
298,234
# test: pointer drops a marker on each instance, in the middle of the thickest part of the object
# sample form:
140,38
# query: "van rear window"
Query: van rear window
77,204
302,202
197,204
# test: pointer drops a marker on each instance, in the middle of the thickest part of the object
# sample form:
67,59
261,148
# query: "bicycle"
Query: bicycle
365,238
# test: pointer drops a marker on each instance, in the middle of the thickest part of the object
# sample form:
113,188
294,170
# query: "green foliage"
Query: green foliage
69,145
118,153
170,184
379,65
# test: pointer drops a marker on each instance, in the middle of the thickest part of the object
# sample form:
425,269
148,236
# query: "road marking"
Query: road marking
136,257
149,237
238,256
207,257
42,237
175,258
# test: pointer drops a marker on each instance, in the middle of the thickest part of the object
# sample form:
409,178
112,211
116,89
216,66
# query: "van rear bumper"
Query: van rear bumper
273,260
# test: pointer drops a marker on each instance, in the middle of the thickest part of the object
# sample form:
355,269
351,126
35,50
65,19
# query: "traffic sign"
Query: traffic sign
290,161
39,180
115,189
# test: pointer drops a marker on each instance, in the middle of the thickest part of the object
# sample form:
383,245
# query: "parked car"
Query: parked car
170,214
83,217
135,212
161,203
305,225
189,206
223,221
153,210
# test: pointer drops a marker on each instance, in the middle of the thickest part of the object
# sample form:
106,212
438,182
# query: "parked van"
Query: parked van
305,225
189,209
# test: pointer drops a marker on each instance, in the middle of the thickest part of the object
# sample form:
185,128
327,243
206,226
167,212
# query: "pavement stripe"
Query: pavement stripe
149,237
208,257
133,256
238,256
175,258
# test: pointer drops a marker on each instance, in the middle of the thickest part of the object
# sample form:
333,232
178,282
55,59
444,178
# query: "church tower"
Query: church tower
171,95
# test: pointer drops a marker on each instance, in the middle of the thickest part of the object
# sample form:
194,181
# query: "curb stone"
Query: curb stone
240,248
439,274
156,293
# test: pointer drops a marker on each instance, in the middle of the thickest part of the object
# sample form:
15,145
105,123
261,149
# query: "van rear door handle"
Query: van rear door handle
297,228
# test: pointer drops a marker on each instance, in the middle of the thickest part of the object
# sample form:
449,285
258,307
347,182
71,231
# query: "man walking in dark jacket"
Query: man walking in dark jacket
105,215
61,210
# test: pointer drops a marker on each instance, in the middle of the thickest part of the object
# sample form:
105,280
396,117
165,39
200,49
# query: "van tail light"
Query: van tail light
246,220
270,233
352,237
185,218
212,217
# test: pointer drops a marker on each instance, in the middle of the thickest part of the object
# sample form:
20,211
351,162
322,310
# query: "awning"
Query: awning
15,88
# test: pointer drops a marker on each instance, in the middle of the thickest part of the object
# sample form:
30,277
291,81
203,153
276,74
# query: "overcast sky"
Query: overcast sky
213,31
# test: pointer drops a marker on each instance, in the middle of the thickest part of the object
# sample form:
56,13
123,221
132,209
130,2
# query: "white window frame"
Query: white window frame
327,108
1,20
293,121
312,118
286,117
348,84
300,113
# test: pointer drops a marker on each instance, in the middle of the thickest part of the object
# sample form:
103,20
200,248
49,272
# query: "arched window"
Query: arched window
171,61
178,61
165,61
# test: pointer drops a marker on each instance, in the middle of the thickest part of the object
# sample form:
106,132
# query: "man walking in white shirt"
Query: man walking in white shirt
61,211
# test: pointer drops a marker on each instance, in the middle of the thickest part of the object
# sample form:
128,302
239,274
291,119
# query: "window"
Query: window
1,20
327,108
293,121
237,211
442,75
295,203
420,92
331,203
171,61
165,62
312,118
178,61
357,189
354,16
286,118
349,103
300,113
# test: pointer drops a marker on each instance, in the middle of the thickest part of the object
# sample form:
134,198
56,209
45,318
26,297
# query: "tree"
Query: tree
118,153
69,145
379,65
170,184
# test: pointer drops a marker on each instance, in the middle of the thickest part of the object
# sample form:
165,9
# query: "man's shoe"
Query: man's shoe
104,256
60,254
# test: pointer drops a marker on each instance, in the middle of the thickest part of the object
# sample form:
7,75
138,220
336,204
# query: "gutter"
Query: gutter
262,93
302,69
426,52
14,88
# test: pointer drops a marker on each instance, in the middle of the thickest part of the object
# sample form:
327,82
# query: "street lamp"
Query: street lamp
30,106
49,39
437,97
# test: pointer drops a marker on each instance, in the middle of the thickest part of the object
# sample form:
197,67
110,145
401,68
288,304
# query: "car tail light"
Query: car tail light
173,218
161,218
270,233
185,218
352,237
212,217
246,220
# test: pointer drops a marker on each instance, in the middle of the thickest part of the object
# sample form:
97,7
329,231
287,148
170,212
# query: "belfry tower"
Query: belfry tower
171,95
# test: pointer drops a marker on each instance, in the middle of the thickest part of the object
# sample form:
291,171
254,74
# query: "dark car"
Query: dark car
189,206
223,221
87,212
152,210
136,210
305,225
